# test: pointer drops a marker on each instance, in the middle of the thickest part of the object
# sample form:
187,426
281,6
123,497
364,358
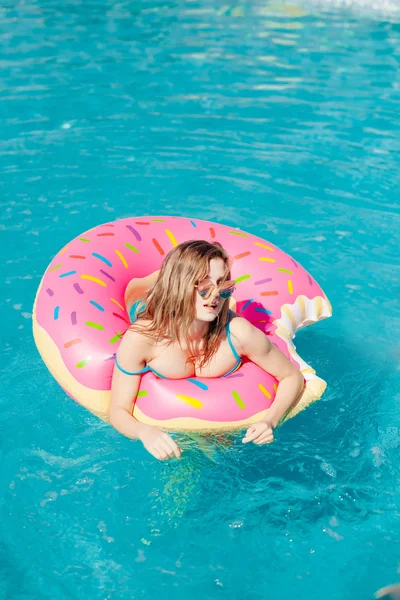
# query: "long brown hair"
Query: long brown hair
170,306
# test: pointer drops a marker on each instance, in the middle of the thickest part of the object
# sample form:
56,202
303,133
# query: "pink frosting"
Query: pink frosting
81,307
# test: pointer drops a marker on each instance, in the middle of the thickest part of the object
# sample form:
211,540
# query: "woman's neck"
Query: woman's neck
198,330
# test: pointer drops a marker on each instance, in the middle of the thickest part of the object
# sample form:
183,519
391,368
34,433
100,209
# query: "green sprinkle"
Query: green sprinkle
239,233
131,247
242,278
142,393
95,325
84,240
286,271
83,362
116,338
238,399
54,268
158,220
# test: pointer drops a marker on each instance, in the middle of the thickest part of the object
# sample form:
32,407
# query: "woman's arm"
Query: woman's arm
131,356
257,347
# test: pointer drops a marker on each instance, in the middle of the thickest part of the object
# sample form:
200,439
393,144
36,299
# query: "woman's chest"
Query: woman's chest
175,362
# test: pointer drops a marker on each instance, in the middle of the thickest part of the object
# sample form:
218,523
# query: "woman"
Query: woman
185,328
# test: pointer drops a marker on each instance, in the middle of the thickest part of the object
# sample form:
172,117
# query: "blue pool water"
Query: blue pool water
282,118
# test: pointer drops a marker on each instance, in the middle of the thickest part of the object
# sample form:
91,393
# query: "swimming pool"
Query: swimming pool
277,117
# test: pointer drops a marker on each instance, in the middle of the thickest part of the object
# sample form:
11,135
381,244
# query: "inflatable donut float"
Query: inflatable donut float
80,315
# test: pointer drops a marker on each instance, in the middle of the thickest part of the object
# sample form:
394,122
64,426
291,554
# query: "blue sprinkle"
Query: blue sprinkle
105,260
263,310
56,311
199,384
97,305
193,223
246,305
69,273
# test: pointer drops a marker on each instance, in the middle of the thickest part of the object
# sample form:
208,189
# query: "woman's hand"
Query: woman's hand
259,433
159,443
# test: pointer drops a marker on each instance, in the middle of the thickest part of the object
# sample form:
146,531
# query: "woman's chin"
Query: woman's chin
207,316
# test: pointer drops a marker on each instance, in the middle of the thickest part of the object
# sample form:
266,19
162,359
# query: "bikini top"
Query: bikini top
133,314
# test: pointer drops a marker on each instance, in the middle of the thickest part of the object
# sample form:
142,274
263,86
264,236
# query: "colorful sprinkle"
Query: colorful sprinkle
285,271
247,304
105,234
238,400
275,387
142,393
131,247
78,288
122,257
264,391
108,225
263,310
83,362
193,223
238,233
96,305
294,262
241,255
157,245
67,274
242,278
50,292
94,325
212,232
171,237
266,259
116,338
310,281
76,256
157,220
72,342
63,250
135,233
73,318
263,281
107,275
103,258
269,293
56,312
189,400
290,286
54,268
121,317
264,246
199,384
94,279
84,240
142,223
118,304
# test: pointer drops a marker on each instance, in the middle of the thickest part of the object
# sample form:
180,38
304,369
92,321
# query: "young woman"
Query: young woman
184,328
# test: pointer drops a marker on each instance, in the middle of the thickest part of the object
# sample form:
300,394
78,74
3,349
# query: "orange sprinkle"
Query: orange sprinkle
241,255
269,293
142,223
157,245
76,256
103,234
72,342
212,231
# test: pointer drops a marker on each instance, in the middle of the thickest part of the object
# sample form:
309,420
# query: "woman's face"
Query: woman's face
208,309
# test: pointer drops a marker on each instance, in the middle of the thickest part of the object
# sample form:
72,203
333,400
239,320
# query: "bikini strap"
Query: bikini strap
141,372
229,338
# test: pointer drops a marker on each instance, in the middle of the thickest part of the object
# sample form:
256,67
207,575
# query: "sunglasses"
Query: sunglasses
225,290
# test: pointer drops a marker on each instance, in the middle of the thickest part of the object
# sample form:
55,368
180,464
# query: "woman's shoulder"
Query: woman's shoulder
135,343
239,326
